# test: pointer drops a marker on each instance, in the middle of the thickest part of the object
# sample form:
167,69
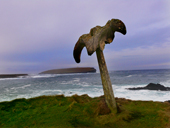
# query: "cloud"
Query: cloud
151,57
44,32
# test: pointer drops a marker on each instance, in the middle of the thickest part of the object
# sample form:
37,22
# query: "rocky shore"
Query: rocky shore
70,70
152,86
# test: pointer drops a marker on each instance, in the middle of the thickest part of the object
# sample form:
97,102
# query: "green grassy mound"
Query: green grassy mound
82,111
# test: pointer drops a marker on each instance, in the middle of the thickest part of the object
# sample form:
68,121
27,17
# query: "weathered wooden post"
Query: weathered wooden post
95,41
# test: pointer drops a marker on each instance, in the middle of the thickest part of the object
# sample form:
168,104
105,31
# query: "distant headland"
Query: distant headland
12,75
55,71
70,70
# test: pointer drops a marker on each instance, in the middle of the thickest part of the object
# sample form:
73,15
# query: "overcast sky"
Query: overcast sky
38,35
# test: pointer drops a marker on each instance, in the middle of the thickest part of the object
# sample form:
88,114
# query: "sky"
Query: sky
39,35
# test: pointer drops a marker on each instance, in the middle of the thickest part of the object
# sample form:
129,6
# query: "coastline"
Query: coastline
55,71
86,83
57,108
70,70
12,75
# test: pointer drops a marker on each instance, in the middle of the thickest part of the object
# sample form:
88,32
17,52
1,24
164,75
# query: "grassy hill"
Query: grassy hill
82,111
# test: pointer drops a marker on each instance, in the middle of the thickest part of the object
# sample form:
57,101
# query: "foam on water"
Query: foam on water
166,83
22,87
120,92
129,76
145,95
70,84
76,79
2,79
37,76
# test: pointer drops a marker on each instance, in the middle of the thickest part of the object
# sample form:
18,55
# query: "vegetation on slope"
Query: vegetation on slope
82,111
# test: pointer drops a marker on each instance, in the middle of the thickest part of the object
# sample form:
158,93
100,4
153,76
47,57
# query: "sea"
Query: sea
35,85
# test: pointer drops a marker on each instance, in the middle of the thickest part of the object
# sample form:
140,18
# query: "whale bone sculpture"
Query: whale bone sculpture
95,41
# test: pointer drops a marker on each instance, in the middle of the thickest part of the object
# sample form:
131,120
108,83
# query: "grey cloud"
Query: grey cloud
37,32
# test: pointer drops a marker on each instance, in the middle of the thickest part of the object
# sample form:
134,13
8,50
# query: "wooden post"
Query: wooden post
106,82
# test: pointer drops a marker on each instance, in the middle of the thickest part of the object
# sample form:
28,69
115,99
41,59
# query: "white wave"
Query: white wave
49,91
68,82
22,87
84,84
129,76
124,87
97,85
45,76
76,79
10,78
6,90
31,76
166,83
120,91
42,76
144,95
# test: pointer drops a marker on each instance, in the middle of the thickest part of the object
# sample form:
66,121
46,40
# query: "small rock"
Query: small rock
152,86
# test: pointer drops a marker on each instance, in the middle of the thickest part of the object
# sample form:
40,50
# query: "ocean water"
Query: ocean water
88,83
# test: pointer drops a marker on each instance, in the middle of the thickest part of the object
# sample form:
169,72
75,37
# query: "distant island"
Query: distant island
55,71
70,70
12,75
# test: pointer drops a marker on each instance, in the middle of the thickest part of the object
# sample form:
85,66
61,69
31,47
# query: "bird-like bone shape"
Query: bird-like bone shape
98,37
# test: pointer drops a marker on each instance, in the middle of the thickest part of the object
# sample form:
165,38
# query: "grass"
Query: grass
82,112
